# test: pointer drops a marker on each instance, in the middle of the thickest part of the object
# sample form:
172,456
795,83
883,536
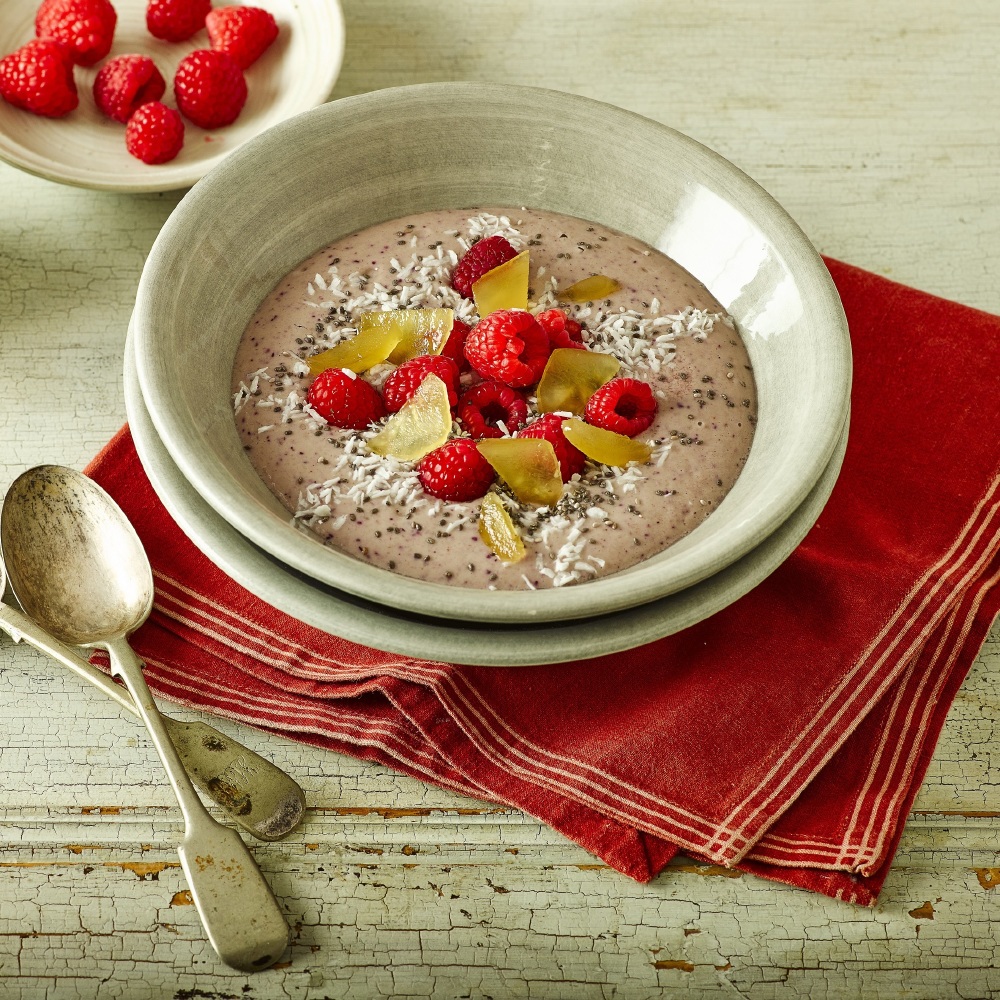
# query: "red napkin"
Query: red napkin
786,735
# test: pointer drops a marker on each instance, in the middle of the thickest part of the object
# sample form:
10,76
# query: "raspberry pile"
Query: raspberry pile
503,357
209,87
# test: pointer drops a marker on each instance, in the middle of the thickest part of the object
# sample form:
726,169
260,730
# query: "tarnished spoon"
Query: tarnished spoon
77,567
256,794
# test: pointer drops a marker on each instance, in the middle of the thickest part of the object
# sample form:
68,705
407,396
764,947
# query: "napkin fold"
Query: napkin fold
786,735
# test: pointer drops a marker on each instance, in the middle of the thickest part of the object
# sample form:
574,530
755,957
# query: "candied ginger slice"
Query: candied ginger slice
497,530
529,466
505,287
599,286
422,424
365,349
421,331
603,446
571,377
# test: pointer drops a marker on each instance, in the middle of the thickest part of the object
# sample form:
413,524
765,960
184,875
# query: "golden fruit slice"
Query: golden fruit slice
363,350
505,287
571,377
497,530
421,331
603,446
600,286
421,424
528,466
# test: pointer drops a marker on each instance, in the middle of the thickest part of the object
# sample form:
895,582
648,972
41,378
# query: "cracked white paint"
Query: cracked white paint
874,141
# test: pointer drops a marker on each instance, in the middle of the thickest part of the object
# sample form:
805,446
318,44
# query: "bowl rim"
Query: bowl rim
646,580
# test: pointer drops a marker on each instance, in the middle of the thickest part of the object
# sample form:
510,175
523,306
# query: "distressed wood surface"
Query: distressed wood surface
875,125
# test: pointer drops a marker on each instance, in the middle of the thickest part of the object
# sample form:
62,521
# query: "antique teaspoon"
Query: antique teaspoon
77,567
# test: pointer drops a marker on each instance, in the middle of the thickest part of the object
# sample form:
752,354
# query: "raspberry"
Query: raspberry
485,404
406,379
85,27
454,346
562,331
210,88
39,78
456,471
508,346
242,32
480,258
623,405
176,20
345,400
125,83
155,133
549,427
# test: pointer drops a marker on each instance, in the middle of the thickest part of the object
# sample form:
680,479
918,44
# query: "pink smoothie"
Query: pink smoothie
662,325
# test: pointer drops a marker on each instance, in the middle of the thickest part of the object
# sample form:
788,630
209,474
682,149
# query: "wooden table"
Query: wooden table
875,124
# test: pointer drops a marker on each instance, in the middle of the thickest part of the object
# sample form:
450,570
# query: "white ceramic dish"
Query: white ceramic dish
382,155
87,149
373,624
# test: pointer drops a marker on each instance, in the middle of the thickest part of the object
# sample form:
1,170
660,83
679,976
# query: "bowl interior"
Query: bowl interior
87,149
351,163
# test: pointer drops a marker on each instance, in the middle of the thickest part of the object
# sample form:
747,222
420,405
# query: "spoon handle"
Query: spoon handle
255,793
237,908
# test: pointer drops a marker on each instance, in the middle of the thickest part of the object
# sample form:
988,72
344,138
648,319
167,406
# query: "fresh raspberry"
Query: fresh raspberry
345,400
456,472
39,78
484,405
480,258
125,83
85,27
562,331
155,133
242,32
454,346
623,405
406,379
549,427
210,88
176,20
508,346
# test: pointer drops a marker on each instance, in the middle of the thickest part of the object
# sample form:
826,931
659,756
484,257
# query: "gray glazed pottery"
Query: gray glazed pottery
357,161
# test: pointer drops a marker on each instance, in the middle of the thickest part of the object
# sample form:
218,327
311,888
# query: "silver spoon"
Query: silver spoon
255,793
77,567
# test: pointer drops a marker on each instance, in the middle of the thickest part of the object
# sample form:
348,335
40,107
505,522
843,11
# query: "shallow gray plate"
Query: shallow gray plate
401,632
381,155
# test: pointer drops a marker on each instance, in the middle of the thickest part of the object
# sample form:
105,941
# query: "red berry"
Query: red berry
125,83
155,133
456,471
487,403
508,346
39,78
454,346
242,32
480,258
549,427
562,331
176,20
406,379
210,88
85,27
623,405
345,400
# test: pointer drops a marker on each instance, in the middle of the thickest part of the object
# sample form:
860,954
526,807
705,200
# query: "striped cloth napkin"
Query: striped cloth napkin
787,735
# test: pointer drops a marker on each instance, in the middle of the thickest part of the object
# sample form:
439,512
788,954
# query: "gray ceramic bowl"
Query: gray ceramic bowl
354,162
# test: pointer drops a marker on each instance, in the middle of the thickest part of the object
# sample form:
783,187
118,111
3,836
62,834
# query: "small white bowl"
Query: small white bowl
382,155
87,149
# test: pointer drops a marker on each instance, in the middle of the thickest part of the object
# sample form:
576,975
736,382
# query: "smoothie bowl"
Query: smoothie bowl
669,311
